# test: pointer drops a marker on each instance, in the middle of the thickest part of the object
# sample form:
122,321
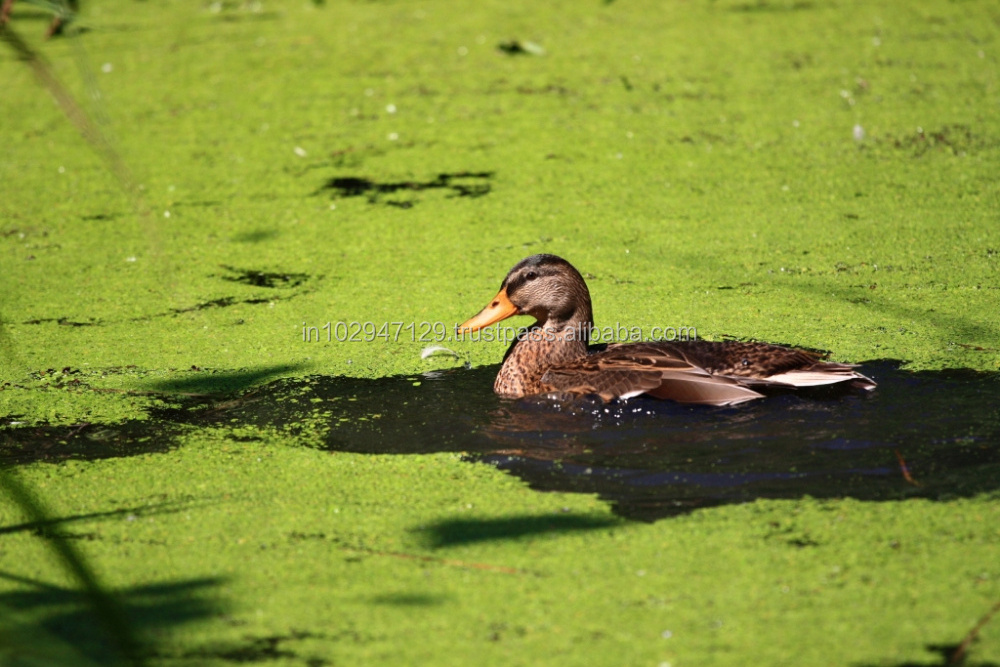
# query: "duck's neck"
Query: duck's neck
536,350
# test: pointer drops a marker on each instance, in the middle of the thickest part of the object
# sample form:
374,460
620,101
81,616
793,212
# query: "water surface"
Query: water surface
933,434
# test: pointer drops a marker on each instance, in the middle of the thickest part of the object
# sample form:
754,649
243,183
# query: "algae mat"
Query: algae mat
812,173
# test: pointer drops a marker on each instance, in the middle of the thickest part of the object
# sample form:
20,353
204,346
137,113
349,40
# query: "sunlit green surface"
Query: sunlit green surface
702,163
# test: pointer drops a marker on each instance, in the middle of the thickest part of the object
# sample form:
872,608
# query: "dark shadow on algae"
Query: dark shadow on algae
455,532
46,623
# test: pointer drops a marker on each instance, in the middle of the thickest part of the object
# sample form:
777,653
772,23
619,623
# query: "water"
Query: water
933,434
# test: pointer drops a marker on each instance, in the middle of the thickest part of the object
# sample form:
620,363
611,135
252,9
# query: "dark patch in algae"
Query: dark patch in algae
85,441
956,139
931,434
266,279
258,649
946,653
458,182
253,278
63,321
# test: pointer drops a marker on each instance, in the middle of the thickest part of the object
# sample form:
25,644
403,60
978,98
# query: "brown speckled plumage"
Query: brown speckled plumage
552,355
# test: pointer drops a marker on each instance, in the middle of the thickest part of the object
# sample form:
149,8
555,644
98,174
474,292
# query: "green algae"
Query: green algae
361,558
701,163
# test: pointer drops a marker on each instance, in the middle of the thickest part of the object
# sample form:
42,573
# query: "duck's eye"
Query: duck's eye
531,275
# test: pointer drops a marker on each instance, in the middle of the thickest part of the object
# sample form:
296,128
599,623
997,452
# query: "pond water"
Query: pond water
933,434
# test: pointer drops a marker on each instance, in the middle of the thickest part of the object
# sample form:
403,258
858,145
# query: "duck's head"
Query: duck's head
544,286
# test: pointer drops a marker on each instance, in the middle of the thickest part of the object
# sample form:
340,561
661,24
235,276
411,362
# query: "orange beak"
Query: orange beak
499,309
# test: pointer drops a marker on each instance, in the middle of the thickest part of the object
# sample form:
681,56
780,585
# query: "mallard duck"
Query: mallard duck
553,356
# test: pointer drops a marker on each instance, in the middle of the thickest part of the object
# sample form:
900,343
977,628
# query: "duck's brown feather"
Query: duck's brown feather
715,373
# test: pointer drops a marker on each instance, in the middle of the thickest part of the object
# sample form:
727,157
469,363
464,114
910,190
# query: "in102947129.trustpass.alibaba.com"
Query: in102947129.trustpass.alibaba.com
439,332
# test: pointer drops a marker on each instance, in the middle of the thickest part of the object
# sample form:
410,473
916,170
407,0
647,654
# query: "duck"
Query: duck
553,355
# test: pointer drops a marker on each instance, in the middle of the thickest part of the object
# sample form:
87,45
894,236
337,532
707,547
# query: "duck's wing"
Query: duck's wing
704,372
623,371
762,364
765,364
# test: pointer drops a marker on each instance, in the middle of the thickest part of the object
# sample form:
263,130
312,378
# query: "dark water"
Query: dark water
933,434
